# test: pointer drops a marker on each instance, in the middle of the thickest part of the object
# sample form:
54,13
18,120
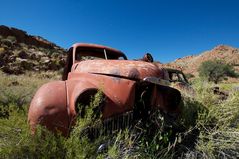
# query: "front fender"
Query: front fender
74,90
49,108
119,93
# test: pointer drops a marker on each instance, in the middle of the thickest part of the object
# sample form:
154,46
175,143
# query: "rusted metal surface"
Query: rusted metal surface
126,84
124,68
49,108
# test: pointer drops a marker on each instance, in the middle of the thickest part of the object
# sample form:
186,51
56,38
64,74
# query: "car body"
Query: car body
127,85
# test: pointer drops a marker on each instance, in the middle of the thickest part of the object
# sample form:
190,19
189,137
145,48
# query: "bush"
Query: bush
189,75
17,142
13,39
215,71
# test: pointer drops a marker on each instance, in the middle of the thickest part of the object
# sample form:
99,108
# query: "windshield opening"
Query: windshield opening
96,54
176,77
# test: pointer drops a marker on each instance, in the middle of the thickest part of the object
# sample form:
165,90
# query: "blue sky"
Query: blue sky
168,29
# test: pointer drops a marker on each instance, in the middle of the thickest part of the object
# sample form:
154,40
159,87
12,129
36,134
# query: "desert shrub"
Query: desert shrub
215,71
7,42
189,75
17,142
13,39
23,46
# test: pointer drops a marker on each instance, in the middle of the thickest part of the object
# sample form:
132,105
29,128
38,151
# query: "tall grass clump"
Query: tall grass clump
17,91
17,142
222,140
218,124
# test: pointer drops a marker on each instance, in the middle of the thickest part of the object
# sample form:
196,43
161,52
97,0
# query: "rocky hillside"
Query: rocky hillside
190,64
20,52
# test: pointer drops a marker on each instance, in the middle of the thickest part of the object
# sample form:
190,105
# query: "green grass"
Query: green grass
207,128
16,92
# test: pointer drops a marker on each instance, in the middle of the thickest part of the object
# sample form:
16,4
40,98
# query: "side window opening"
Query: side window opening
69,62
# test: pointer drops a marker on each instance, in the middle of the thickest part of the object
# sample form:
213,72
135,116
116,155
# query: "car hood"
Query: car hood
122,68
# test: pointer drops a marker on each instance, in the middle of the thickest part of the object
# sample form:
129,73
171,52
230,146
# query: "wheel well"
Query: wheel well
85,99
142,103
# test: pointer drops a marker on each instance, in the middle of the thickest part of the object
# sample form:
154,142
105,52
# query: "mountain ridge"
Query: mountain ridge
24,37
190,64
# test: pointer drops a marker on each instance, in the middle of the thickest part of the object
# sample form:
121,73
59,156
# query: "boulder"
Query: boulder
12,58
45,60
6,42
24,63
52,65
22,54
33,56
5,57
11,69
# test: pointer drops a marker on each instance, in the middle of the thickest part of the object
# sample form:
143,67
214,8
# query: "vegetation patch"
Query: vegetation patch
216,71
207,128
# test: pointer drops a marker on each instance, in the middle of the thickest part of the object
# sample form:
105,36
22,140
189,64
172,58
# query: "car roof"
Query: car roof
173,70
96,47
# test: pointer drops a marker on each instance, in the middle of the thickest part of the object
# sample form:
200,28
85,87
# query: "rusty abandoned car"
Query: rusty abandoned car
130,88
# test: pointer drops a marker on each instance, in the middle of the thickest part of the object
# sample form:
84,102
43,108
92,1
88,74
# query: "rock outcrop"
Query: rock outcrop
20,52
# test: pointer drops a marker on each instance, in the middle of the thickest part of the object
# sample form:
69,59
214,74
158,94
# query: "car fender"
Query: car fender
49,108
116,101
